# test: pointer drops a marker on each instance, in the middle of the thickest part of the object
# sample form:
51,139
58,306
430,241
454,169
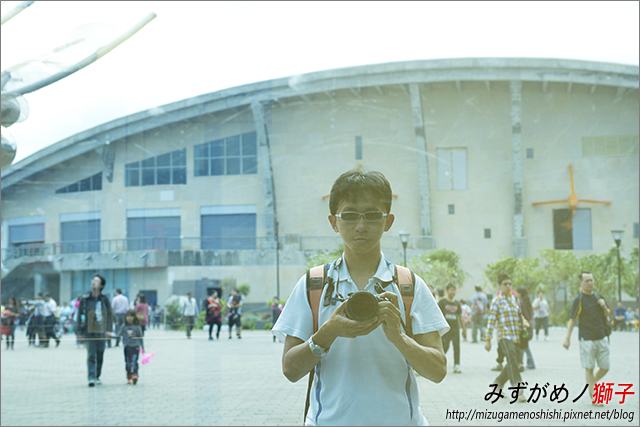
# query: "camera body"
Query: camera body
362,306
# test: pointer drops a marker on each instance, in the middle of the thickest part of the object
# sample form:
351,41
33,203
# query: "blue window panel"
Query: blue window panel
582,229
148,176
162,233
217,166
80,236
179,158
249,145
164,176
132,177
487,233
452,209
562,229
636,230
233,165
232,231
85,184
201,151
249,165
180,176
73,188
164,160
31,233
233,146
96,183
358,148
202,167
217,148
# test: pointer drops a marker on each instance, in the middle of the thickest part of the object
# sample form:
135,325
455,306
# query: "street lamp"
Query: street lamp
404,238
617,236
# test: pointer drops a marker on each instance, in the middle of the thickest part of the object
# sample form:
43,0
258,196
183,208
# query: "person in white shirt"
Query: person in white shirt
363,371
120,305
541,315
49,313
189,312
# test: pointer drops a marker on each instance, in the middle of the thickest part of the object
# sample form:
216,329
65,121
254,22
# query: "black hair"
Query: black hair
583,272
478,288
450,285
119,291
524,297
133,313
142,299
103,281
356,185
502,277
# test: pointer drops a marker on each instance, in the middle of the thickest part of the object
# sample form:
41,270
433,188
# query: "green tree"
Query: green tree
324,257
524,272
631,279
244,289
439,267
227,284
559,272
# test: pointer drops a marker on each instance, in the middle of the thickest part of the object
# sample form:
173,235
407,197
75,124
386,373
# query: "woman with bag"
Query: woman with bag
142,312
527,312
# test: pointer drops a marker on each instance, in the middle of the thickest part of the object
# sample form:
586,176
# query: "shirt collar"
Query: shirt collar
384,273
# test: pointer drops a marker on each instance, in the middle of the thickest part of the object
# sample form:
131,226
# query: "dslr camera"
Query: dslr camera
362,306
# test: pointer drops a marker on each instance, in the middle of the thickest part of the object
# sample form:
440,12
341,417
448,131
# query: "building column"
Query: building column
423,165
518,241
264,161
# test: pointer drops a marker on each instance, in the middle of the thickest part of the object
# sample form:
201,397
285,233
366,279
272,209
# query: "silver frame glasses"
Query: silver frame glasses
361,215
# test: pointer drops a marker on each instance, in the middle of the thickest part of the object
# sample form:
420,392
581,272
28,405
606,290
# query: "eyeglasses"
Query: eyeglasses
373,216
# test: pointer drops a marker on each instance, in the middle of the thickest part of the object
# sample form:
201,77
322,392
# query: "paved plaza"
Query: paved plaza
240,382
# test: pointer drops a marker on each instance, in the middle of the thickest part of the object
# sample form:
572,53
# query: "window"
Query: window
166,169
228,227
529,153
235,155
572,233
610,146
487,233
358,148
26,235
93,183
153,229
80,232
452,209
452,168
636,230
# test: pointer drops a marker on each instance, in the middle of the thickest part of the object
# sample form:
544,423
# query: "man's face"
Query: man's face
451,292
586,284
505,287
214,295
361,236
96,284
541,295
47,298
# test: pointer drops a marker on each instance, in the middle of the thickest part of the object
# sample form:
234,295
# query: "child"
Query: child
131,335
385,353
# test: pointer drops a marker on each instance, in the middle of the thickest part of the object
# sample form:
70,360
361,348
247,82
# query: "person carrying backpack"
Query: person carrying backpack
479,304
362,371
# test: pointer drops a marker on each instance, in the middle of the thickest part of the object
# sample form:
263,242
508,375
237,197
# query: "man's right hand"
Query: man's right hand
566,343
339,325
487,345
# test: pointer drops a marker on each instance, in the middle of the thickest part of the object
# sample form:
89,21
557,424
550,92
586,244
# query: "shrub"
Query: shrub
268,326
174,316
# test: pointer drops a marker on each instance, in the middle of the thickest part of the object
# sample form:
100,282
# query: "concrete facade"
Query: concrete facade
495,111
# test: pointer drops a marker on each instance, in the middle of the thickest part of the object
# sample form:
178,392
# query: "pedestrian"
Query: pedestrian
479,305
630,317
35,325
213,316
527,311
120,305
142,308
505,317
10,314
466,317
619,318
369,379
189,312
157,312
276,309
541,315
76,320
234,304
132,342
95,323
49,317
452,312
590,310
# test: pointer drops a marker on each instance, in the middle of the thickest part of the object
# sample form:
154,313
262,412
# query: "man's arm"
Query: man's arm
567,340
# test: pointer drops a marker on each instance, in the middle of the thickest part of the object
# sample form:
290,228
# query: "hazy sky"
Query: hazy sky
193,48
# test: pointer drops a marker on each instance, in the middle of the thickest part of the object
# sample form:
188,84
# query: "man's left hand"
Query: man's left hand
390,316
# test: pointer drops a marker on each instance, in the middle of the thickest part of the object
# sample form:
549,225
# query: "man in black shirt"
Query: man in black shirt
452,313
590,308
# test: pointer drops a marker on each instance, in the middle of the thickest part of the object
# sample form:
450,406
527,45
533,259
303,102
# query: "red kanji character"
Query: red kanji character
626,391
602,393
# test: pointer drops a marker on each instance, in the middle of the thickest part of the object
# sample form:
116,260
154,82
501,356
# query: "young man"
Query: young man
478,314
505,317
453,314
120,305
363,371
189,312
49,314
591,308
95,318
619,317
234,303
541,315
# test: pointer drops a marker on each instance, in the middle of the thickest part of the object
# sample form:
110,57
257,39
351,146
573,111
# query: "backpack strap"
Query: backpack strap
406,284
316,280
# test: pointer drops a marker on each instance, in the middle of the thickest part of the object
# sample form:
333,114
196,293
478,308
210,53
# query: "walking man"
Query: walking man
49,315
541,315
478,313
590,309
189,312
452,313
505,317
234,303
120,305
95,318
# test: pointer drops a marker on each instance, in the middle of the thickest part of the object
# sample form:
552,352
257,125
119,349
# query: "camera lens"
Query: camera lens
362,306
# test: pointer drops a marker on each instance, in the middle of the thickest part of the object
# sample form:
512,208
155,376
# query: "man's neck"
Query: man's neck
587,293
361,265
95,293
450,299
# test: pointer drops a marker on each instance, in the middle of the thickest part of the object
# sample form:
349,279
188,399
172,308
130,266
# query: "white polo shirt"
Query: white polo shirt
363,380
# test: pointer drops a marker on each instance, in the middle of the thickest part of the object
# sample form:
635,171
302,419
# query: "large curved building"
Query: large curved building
182,196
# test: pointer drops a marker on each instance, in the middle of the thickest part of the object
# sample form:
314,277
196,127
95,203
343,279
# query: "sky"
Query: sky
193,48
